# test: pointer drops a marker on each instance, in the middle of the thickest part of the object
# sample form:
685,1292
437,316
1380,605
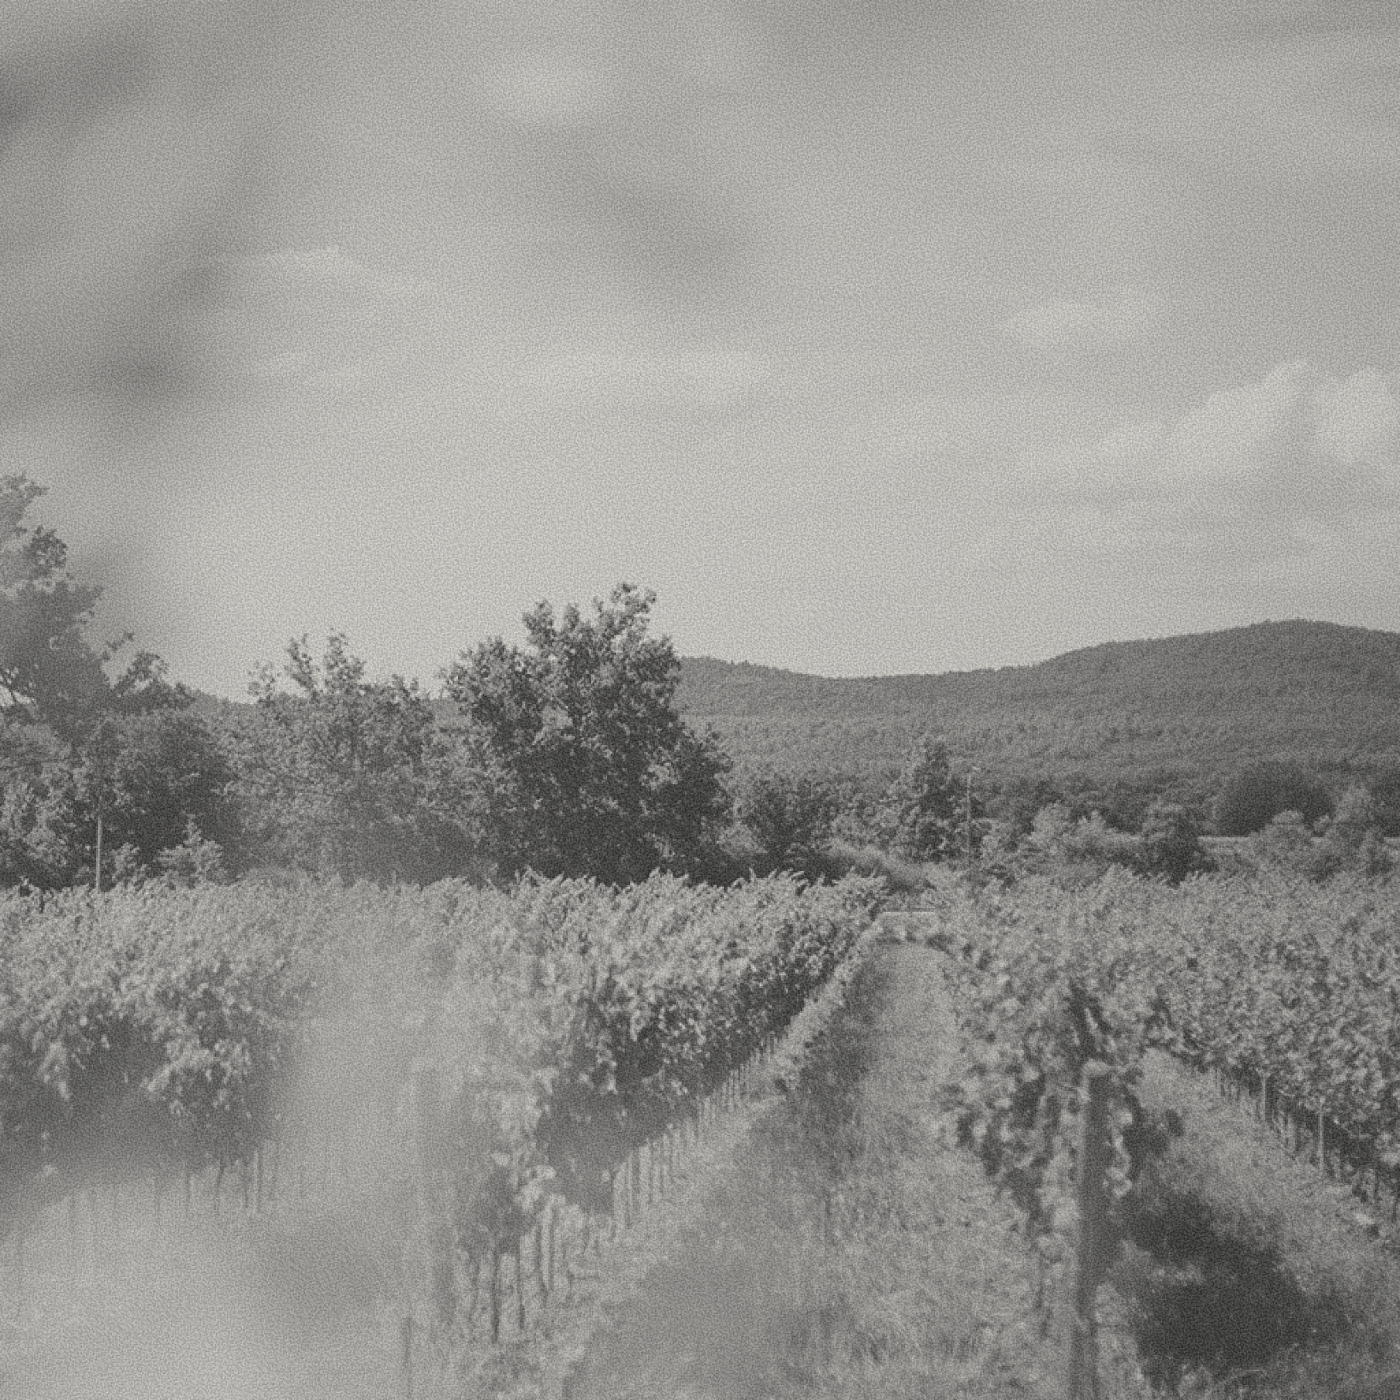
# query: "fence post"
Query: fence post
434,1240
406,1358
1095,1244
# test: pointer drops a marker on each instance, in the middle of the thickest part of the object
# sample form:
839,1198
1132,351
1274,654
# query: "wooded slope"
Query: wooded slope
1187,709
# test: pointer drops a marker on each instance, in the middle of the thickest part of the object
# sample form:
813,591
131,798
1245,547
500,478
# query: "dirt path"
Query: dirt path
852,1250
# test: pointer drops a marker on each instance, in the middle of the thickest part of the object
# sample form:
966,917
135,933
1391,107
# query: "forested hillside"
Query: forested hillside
1178,712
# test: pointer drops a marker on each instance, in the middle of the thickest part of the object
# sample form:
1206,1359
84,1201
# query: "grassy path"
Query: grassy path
850,1250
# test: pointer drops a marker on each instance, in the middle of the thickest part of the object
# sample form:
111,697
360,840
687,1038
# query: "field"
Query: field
570,1141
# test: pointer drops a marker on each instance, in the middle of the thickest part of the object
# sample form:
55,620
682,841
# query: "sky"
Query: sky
875,336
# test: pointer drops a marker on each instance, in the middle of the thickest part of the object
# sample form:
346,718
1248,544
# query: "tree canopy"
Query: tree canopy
49,671
586,766
347,776
790,816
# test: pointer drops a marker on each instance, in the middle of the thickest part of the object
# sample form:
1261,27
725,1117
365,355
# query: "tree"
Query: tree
586,765
1353,839
155,777
1254,796
64,723
344,776
43,829
1170,843
1019,799
790,816
1385,790
930,807
48,670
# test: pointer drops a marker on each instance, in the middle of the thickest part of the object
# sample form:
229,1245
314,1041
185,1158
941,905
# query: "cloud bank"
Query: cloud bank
1296,418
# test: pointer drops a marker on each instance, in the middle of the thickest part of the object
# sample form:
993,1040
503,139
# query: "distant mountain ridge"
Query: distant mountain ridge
1187,708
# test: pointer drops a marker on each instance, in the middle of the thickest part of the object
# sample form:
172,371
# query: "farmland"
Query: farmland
491,1063
511,1109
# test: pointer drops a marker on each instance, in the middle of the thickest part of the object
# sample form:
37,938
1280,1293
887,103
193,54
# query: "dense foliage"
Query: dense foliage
1255,795
1111,728
587,752
928,818
145,1031
790,817
586,767
344,776
1276,979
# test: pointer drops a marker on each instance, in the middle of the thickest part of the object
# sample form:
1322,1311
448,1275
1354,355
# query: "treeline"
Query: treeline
565,756
569,756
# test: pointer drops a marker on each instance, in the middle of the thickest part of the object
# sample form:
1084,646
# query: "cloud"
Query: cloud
1356,420
1273,468
326,267
1112,318
296,313
1296,417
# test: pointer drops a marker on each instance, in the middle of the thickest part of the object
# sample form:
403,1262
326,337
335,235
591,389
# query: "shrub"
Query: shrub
1170,843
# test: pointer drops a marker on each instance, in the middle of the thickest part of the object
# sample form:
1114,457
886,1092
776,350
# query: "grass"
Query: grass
853,1252
1247,1268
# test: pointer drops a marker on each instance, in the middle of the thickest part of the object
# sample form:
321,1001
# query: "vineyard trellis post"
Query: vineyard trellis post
1095,1244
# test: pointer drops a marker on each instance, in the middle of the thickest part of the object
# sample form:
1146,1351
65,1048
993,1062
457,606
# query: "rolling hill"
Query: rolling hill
1176,714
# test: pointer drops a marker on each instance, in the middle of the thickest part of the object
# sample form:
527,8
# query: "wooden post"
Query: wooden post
406,1358
1095,1245
519,1289
435,1242
495,1293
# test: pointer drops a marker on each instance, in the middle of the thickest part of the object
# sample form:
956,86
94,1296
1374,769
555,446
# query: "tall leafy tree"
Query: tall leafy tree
49,671
156,777
44,831
790,815
587,766
75,744
346,776
929,818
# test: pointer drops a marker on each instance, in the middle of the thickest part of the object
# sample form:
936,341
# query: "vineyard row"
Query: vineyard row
511,1049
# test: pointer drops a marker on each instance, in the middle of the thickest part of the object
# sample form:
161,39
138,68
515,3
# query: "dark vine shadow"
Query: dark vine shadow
1209,1293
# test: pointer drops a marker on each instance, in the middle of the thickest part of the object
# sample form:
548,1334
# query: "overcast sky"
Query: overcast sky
876,336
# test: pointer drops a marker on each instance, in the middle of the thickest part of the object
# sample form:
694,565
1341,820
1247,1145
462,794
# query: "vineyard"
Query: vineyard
1287,985
1286,988
496,1074
491,1087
